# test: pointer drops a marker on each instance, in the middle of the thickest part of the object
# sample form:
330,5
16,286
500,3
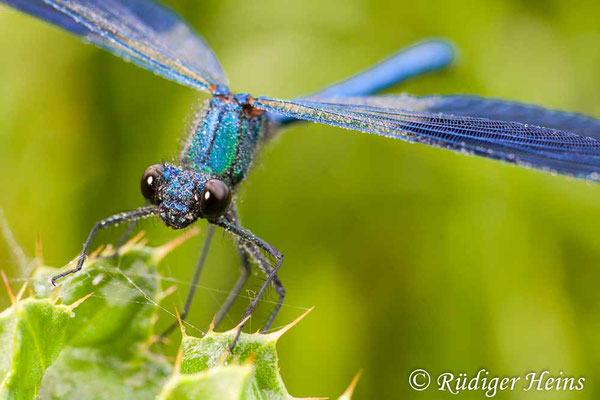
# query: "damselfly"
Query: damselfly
231,128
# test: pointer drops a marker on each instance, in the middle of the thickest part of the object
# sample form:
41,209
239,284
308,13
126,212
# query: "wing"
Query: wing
490,133
141,31
412,61
475,106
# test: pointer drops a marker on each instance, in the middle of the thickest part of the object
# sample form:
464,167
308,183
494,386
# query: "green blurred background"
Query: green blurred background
414,257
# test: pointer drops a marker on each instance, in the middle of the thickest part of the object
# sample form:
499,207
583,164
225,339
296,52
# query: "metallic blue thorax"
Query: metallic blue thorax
224,140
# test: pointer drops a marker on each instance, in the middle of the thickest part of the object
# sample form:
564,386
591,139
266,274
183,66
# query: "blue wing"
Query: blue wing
412,61
489,132
502,110
480,107
141,31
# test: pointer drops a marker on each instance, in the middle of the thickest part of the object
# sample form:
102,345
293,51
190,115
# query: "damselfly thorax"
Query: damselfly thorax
224,139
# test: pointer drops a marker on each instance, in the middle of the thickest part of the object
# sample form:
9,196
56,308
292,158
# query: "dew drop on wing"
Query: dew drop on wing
97,279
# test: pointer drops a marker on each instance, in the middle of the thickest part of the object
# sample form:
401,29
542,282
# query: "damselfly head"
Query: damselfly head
183,196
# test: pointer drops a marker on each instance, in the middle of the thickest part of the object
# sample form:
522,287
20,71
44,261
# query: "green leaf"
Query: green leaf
201,354
218,383
212,350
90,374
107,353
120,312
101,348
32,333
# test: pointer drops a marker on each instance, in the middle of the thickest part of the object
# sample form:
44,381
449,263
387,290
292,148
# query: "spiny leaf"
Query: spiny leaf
218,383
121,312
104,344
201,354
108,352
212,350
90,374
32,334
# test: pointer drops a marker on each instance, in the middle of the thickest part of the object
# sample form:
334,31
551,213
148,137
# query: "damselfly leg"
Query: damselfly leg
245,270
116,219
198,270
249,252
248,237
256,254
125,236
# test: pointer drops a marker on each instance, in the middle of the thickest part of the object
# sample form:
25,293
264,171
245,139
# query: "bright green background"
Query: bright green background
414,257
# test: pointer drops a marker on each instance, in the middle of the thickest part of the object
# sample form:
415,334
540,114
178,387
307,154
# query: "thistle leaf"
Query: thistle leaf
219,383
107,353
32,334
92,339
88,373
212,350
120,312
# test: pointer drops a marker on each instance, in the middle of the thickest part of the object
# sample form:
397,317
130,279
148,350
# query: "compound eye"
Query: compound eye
215,199
149,184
